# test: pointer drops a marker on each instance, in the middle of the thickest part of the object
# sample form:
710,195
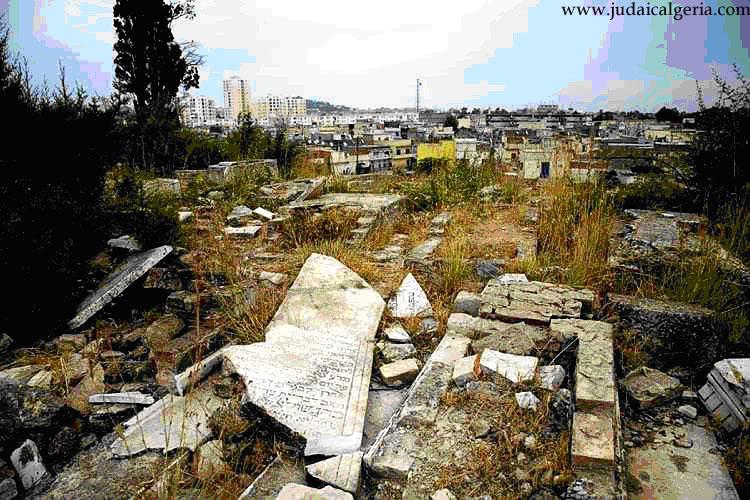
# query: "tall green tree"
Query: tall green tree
150,67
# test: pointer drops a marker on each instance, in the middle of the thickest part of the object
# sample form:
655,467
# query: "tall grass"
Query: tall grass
574,229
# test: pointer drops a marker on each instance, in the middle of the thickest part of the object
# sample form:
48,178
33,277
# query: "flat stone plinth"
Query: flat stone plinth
593,440
313,371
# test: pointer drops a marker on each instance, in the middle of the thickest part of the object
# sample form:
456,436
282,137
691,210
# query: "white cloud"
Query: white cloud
362,54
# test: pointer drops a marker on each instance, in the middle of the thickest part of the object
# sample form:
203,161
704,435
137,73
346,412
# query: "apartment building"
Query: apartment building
237,96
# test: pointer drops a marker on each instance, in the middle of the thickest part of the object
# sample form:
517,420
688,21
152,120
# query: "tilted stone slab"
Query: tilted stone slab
595,365
423,251
171,423
117,282
514,368
341,471
313,371
533,302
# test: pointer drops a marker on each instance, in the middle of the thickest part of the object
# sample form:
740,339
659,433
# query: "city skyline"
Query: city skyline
475,53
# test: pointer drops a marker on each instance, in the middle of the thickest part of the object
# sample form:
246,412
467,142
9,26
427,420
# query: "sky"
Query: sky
474,53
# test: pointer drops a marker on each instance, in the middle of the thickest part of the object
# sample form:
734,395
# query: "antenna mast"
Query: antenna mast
419,84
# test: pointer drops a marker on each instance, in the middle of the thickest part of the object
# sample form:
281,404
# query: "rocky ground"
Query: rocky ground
337,343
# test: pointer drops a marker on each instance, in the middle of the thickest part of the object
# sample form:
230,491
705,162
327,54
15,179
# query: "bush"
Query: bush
51,220
655,192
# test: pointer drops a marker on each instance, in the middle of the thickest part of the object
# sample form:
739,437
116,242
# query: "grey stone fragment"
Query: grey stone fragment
273,278
410,300
392,466
397,334
551,377
122,398
242,232
301,492
8,489
341,471
395,352
527,400
514,368
443,494
467,303
125,242
647,387
209,459
20,374
399,372
27,461
5,342
688,411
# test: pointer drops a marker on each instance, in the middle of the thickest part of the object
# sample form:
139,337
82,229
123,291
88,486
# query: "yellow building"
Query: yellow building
437,150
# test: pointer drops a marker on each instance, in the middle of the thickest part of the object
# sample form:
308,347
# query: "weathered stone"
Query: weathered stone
184,381
263,213
392,466
488,269
184,215
117,282
677,333
465,370
342,471
8,489
180,353
512,338
410,300
395,352
162,185
63,445
514,368
510,278
647,387
467,303
171,423
312,372
593,440
595,364
78,397
27,410
42,380
209,459
726,394
444,494
135,398
422,252
28,464
397,334
527,400
125,242
239,216
242,232
533,302
381,406
300,492
551,377
273,278
5,342
666,471
73,367
70,342
160,278
387,254
160,332
20,374
399,372
688,411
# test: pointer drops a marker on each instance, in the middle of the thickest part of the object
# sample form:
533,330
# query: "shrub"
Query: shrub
654,191
309,227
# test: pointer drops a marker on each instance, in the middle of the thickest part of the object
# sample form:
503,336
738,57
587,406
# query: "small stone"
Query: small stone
688,411
8,489
683,443
530,443
510,278
527,400
526,488
20,374
28,464
395,352
392,466
514,368
42,380
263,213
5,342
209,459
399,372
397,334
480,428
125,242
551,377
521,458
520,474
689,396
273,278
428,326
70,342
629,444
467,303
465,370
487,269
443,494
293,491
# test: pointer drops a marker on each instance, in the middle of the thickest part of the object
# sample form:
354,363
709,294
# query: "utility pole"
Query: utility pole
419,84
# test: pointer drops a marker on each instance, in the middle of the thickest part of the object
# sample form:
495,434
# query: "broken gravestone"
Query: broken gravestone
647,387
726,394
312,373
410,300
121,278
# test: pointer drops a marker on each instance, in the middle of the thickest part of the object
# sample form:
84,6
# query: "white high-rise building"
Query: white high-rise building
237,96
198,110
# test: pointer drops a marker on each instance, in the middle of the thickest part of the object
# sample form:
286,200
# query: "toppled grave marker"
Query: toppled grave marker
341,471
726,394
312,373
121,278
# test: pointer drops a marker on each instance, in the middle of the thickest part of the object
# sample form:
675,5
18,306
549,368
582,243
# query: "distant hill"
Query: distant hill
325,107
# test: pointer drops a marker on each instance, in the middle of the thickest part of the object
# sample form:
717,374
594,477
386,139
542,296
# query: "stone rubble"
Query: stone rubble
27,461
